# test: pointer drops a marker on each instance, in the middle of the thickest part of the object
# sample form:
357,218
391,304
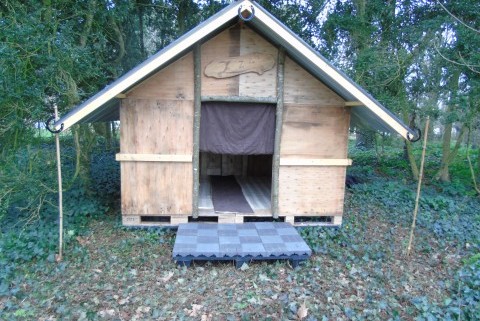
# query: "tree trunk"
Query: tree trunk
181,16
88,24
108,135
449,155
444,173
408,150
84,139
104,129
120,40
140,14
114,133
411,160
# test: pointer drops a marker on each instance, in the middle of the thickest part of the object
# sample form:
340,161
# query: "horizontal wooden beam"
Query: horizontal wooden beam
315,162
121,96
353,103
241,99
153,158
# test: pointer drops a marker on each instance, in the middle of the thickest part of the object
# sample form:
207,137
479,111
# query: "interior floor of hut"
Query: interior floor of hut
253,175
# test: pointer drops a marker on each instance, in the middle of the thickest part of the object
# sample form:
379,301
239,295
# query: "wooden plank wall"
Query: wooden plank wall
157,118
315,126
234,42
253,84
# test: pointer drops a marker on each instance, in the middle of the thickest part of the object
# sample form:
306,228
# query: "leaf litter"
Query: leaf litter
121,274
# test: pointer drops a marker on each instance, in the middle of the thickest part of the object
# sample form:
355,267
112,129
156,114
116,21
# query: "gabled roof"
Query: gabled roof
370,113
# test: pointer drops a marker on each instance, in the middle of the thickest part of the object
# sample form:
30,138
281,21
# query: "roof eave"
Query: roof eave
279,33
150,65
318,65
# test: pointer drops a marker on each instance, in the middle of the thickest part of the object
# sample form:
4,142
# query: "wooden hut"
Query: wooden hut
238,107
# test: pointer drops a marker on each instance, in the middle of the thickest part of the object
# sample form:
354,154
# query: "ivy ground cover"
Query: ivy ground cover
358,272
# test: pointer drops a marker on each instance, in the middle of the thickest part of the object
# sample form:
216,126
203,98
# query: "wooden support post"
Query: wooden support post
197,101
278,130
60,194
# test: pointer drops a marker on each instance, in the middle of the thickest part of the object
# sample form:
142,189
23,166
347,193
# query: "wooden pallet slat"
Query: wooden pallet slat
231,218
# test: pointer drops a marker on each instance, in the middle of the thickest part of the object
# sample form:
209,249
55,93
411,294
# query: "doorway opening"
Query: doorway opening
236,157
227,179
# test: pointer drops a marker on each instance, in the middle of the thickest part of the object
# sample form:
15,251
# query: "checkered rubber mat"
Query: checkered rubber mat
239,242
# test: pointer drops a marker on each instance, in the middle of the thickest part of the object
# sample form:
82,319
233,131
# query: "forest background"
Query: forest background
418,57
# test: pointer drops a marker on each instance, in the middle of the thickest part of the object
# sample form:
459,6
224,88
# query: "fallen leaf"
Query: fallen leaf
82,240
195,309
181,280
263,278
105,313
143,309
167,277
124,301
206,317
302,311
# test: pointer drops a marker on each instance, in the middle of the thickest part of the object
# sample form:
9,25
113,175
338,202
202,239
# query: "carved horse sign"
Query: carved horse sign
234,66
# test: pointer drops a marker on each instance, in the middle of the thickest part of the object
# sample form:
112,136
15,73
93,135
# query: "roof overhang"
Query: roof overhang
369,112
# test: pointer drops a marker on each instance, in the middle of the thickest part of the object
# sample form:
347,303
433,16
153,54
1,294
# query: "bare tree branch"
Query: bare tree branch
456,18
464,64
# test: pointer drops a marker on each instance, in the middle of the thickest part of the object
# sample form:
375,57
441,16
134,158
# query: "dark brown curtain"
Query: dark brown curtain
237,128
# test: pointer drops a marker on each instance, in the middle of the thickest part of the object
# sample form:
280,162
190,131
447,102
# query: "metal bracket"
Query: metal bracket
250,17
416,136
48,123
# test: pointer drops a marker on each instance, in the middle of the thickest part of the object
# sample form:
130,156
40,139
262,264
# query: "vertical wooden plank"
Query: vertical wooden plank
156,188
224,45
174,82
312,190
156,126
278,131
197,102
313,131
252,84
157,118
301,87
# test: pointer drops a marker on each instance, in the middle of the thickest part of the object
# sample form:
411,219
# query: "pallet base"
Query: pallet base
175,220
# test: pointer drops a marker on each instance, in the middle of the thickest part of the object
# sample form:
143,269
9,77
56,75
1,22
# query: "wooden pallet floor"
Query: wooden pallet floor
239,243
230,218
255,189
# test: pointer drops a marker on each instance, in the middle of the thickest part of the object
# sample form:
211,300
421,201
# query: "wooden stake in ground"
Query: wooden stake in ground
59,256
419,187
